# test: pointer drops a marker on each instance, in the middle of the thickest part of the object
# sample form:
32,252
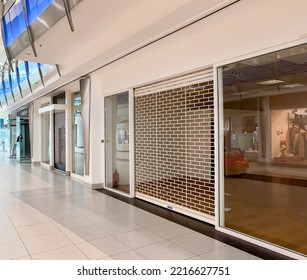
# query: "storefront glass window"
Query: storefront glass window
77,131
117,142
264,190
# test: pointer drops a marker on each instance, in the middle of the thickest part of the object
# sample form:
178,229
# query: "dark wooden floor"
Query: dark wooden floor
270,210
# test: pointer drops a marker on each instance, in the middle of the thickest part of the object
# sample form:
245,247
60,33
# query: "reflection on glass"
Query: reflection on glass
23,151
117,142
12,136
77,132
3,136
265,148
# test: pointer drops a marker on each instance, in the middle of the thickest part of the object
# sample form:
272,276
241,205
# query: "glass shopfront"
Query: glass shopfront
117,142
77,133
264,154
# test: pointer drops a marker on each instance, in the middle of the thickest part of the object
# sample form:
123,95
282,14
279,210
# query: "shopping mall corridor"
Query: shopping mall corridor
45,215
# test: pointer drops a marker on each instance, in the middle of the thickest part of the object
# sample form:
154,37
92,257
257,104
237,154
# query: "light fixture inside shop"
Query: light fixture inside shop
292,86
270,82
240,93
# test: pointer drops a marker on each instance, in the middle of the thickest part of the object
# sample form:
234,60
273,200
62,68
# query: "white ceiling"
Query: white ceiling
106,30
113,27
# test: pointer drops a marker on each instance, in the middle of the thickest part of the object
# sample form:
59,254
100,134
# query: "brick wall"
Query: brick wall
174,146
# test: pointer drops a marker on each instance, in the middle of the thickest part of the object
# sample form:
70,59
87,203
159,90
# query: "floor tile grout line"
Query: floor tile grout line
18,235
83,240
149,211
196,254
114,236
134,250
41,235
88,243
255,250
69,229
50,250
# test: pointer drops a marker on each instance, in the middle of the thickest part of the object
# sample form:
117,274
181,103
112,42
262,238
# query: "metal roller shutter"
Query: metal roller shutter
174,144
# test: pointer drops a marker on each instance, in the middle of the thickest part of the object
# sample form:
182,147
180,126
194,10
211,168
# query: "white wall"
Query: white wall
245,28
96,132
36,153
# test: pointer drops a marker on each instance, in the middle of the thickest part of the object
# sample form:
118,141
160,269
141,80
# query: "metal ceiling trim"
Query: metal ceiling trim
68,15
9,73
29,32
41,75
19,86
59,70
3,86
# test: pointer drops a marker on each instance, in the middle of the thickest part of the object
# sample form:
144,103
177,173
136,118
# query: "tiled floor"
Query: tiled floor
45,215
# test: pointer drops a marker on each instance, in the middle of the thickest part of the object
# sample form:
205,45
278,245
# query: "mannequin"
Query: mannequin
255,138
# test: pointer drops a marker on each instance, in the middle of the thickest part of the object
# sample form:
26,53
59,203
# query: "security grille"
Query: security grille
59,135
174,142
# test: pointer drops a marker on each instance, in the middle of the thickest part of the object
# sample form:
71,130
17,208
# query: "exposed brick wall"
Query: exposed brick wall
174,146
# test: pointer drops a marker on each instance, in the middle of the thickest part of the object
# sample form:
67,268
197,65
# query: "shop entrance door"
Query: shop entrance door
117,143
23,152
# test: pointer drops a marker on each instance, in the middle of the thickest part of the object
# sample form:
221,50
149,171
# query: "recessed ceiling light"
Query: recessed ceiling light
270,82
240,93
292,86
